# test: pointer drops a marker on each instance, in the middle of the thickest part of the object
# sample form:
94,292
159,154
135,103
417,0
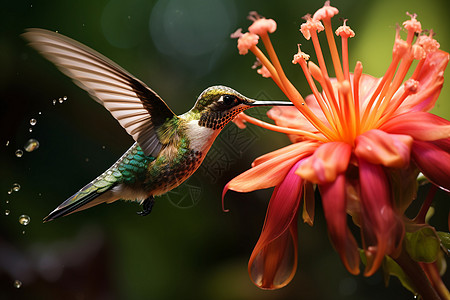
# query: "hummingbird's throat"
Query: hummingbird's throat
218,119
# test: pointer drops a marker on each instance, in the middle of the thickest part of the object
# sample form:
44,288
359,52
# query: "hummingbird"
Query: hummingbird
168,148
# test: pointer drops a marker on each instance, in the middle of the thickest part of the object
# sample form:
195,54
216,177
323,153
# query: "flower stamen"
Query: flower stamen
281,129
325,14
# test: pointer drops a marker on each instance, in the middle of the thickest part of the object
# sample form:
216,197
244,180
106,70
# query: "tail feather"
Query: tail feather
88,196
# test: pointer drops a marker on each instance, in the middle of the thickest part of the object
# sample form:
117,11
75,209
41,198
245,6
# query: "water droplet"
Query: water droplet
65,98
7,143
33,122
54,101
7,212
60,100
86,159
103,147
16,187
7,201
31,145
10,192
30,130
39,113
24,220
39,194
19,153
17,284
23,231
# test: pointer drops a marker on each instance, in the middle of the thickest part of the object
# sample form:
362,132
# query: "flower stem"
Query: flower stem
417,276
420,218
435,278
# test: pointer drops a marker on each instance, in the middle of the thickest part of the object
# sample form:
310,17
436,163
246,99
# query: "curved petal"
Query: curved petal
431,79
378,147
419,125
270,172
433,161
305,147
382,230
326,163
274,260
334,207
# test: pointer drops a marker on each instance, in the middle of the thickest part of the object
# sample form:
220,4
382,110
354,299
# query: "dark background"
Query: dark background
187,248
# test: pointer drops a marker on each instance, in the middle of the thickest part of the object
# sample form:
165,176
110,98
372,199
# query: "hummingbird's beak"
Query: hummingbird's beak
253,103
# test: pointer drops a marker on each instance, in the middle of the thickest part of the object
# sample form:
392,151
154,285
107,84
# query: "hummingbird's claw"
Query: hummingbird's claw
147,206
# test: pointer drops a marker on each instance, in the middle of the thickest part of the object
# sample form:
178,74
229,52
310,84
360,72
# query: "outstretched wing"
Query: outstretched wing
137,108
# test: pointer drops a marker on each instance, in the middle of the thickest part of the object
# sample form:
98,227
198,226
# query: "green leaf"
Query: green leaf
391,268
422,244
445,240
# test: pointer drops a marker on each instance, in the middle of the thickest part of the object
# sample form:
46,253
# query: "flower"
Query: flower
361,141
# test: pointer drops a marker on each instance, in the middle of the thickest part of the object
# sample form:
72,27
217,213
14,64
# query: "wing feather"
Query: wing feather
138,109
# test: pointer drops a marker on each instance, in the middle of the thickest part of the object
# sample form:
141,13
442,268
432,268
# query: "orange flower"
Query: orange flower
352,141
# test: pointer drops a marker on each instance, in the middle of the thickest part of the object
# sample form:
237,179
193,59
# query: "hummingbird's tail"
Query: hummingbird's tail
96,192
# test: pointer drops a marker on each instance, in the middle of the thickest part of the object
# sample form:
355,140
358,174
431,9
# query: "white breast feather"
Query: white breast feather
201,138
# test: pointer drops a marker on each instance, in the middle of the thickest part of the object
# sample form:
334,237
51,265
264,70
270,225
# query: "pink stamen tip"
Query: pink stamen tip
418,52
413,24
310,25
400,47
345,31
237,34
264,72
253,16
326,12
411,85
428,43
246,41
300,56
261,25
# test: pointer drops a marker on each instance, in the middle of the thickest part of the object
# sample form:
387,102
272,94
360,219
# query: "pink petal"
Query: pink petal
334,207
329,160
274,260
419,125
433,161
382,231
303,147
431,79
271,171
378,147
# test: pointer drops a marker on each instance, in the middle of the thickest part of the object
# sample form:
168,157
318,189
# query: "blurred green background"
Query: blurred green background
187,248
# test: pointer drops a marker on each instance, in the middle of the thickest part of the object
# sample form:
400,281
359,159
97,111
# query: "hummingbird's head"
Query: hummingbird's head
218,105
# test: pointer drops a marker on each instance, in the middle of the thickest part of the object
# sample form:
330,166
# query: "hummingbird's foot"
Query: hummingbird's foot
147,206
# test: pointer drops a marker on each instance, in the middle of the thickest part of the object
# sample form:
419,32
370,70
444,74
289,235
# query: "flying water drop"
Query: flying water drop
54,101
16,187
17,284
7,212
19,153
24,220
33,122
31,145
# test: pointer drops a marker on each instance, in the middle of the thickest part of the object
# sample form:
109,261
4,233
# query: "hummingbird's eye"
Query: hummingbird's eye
227,99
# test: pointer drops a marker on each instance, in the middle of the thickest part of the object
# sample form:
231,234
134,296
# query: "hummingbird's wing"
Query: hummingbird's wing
137,108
